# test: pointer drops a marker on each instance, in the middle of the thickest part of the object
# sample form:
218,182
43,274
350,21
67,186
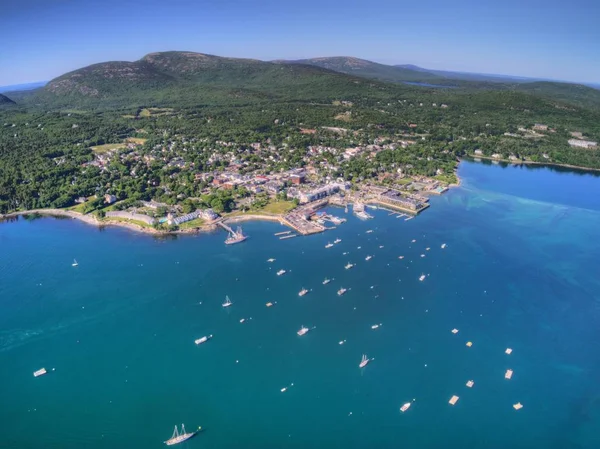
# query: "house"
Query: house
109,199
478,152
587,144
297,178
540,127
81,199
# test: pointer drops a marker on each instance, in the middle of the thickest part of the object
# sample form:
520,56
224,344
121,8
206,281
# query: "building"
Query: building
109,199
540,127
319,193
582,143
297,178
478,152
397,199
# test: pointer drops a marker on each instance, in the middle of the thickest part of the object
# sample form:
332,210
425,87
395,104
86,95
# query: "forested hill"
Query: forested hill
186,78
5,101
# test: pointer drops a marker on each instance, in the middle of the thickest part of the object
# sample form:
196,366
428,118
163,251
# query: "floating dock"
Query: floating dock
288,236
283,233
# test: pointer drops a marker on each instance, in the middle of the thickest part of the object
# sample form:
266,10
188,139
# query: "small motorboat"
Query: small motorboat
204,339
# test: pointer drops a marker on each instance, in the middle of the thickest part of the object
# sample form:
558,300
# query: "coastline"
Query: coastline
542,164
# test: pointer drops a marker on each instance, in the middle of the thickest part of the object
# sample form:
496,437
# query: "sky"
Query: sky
42,39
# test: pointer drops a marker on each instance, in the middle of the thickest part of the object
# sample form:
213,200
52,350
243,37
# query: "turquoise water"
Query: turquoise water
520,271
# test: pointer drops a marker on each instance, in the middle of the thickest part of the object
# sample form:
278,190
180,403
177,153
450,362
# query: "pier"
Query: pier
227,228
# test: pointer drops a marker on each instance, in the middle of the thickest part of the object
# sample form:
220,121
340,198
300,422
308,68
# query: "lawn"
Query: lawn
196,223
278,207
107,147
136,140
126,220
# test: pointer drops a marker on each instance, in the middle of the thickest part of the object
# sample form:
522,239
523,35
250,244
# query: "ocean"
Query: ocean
116,333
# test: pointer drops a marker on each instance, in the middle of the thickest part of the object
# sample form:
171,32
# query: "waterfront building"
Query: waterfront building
582,143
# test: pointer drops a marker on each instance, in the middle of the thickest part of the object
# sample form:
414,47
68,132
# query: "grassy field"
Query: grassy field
136,140
278,207
192,224
126,220
107,147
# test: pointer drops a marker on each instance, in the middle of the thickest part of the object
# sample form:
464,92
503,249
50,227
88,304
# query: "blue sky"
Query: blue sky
41,39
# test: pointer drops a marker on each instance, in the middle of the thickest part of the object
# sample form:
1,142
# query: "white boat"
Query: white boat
242,320
422,277
364,361
413,241
405,407
376,326
40,372
400,257
341,342
368,257
227,302
270,260
348,266
369,231
302,292
204,339
341,291
281,272
329,245
303,330
444,245
363,215
74,264
326,281
180,437
336,241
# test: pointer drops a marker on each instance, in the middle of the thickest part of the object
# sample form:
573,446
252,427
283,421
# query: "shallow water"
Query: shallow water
520,271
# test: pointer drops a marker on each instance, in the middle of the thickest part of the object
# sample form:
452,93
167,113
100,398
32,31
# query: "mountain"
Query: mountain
196,78
368,69
5,101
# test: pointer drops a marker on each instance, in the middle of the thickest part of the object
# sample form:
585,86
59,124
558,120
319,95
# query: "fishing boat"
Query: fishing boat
204,339
422,277
341,291
329,245
236,237
348,266
40,372
368,257
74,264
302,292
326,281
336,241
364,361
303,330
227,302
281,272
180,437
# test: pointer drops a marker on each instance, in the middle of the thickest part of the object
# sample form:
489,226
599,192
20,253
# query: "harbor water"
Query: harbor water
116,333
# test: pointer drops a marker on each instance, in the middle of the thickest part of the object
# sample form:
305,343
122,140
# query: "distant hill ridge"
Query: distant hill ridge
5,101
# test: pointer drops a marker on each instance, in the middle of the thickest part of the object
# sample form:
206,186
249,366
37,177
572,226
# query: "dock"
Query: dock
282,233
288,236
227,228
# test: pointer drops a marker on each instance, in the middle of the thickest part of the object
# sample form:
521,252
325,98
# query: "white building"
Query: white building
582,143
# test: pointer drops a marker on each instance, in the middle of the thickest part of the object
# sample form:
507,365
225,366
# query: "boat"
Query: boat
518,406
329,245
74,264
400,257
376,326
444,245
368,257
271,260
227,302
180,437
204,339
281,272
40,372
508,351
242,320
348,266
422,277
302,292
454,331
413,241
470,383
269,304
453,400
405,407
369,231
326,281
341,342
236,237
363,215
508,374
336,241
364,361
303,330
341,291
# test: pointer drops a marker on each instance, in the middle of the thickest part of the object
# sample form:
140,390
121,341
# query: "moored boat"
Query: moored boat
180,437
40,372
303,330
281,272
422,277
227,302
302,292
204,339
236,237
349,265
74,264
368,257
336,241
364,361
326,281
341,291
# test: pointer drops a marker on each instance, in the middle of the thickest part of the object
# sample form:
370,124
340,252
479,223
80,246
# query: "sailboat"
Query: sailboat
180,437
227,302
236,237
74,263
364,361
